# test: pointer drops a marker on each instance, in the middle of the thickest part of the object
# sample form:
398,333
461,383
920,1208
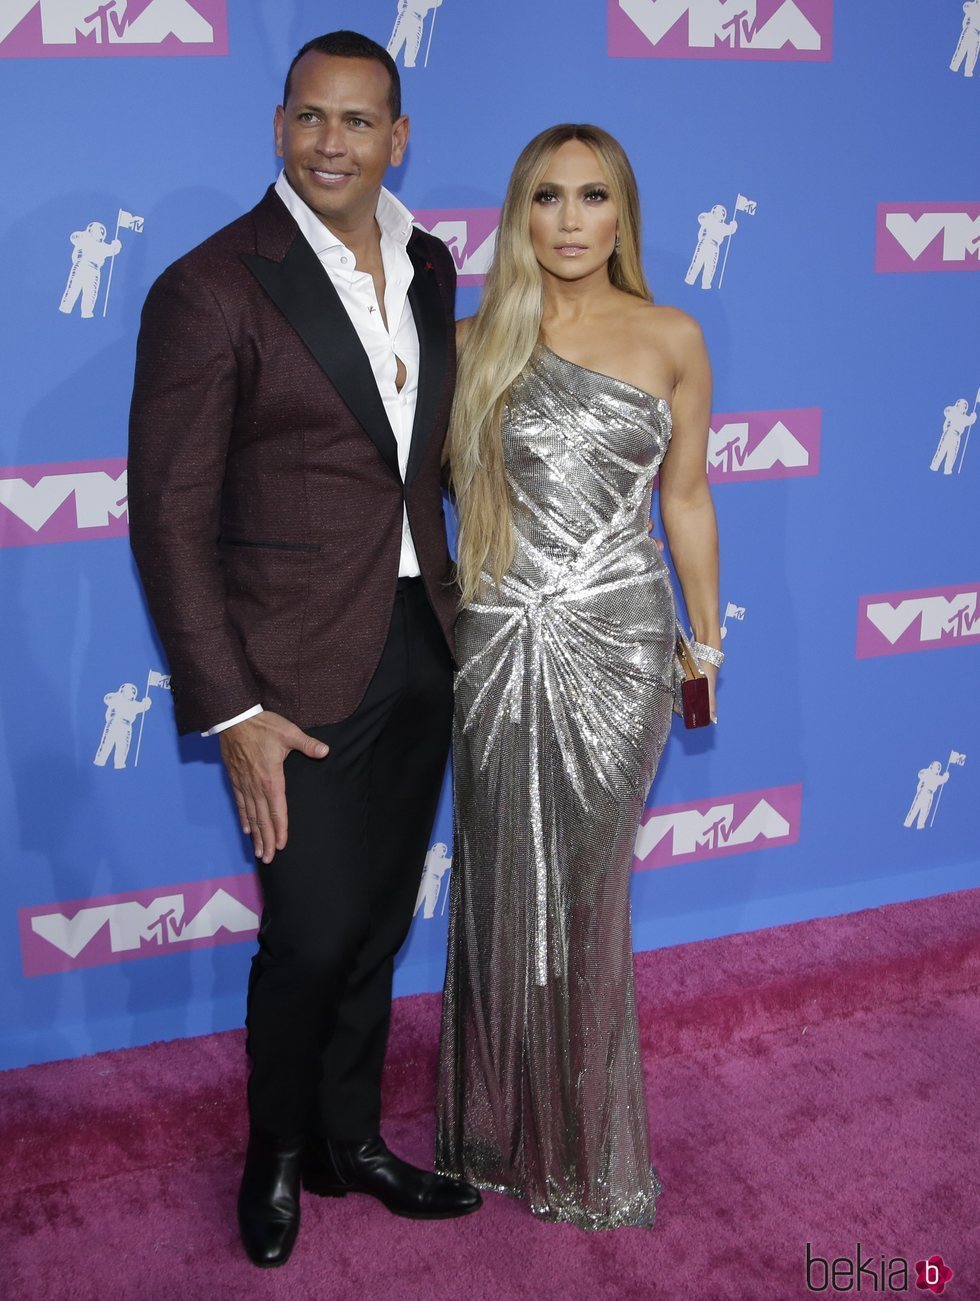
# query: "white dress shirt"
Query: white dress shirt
384,345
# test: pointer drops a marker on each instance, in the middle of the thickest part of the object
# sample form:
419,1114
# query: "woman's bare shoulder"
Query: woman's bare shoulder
668,324
463,329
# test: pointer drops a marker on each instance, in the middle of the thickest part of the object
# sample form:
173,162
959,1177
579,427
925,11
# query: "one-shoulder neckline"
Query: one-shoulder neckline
613,379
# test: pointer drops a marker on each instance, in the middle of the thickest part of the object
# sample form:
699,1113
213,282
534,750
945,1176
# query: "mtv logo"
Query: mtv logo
73,502
85,29
764,445
788,30
731,824
927,237
470,234
898,622
144,924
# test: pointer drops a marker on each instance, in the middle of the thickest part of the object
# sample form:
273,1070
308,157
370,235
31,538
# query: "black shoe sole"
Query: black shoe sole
321,1189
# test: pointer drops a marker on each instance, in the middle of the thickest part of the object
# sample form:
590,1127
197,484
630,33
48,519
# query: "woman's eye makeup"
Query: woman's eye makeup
596,195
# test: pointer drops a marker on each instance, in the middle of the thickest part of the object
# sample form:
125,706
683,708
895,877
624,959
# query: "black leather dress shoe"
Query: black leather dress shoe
333,1169
268,1201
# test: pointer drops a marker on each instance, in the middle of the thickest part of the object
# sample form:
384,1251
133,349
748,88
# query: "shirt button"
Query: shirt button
344,260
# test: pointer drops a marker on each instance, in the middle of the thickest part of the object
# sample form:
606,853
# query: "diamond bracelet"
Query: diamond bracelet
708,654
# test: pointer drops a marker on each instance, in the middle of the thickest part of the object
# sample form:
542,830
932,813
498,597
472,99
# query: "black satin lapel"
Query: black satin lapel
301,289
430,323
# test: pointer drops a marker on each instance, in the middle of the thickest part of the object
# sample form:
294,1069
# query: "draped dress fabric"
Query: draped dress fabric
563,707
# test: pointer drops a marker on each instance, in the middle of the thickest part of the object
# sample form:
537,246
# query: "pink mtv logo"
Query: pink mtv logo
789,30
933,617
99,29
144,924
73,502
470,234
729,824
747,445
927,237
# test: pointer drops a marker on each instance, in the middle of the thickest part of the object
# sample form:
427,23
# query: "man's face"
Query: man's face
336,137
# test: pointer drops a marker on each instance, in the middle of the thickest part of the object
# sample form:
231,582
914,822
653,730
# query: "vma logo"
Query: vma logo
470,234
76,502
730,824
898,622
764,445
144,924
927,237
91,29
788,30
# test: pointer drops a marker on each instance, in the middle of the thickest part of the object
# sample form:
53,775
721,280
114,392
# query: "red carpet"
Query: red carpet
811,1083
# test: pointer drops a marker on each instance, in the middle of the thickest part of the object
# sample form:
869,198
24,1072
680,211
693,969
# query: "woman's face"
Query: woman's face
573,216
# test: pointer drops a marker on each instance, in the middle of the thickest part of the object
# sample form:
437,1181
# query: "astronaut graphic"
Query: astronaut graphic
89,252
712,230
438,861
959,418
929,791
968,46
931,779
409,26
123,707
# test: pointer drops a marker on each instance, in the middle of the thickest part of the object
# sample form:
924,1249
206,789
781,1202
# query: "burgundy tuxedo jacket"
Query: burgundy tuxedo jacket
264,494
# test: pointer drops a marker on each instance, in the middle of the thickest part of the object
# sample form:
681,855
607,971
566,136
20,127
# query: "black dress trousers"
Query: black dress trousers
338,900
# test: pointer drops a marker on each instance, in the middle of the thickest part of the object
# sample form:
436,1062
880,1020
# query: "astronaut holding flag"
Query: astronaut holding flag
90,248
409,25
930,788
959,419
713,229
968,46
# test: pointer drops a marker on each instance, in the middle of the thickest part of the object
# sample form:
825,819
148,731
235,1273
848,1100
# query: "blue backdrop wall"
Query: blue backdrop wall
842,320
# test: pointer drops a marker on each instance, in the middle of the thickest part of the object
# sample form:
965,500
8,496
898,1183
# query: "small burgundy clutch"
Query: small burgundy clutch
691,698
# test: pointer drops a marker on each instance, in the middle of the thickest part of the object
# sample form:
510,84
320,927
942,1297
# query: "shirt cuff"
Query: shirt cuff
239,718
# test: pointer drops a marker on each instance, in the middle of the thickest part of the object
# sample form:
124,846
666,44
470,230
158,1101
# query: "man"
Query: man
293,383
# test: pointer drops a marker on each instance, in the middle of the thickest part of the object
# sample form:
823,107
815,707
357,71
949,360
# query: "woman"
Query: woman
571,382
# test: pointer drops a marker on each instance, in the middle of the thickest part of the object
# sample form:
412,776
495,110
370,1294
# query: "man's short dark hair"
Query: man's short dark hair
352,45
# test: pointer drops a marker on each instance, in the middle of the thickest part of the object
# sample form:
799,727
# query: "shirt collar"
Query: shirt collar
392,216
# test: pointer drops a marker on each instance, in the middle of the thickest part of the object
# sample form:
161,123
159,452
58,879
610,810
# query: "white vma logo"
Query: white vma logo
733,21
728,448
939,614
471,253
64,21
690,830
960,232
132,924
98,496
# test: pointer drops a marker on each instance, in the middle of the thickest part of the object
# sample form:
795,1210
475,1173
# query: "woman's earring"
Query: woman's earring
616,246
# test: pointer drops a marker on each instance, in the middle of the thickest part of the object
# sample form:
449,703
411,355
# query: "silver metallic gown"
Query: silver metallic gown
563,706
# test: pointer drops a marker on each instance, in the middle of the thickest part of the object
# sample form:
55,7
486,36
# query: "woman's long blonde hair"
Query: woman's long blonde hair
502,337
